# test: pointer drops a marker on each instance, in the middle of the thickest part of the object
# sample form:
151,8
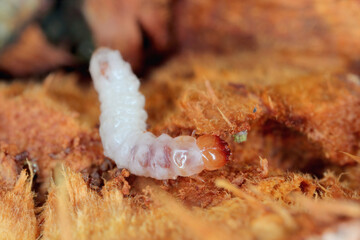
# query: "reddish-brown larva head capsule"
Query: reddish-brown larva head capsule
215,151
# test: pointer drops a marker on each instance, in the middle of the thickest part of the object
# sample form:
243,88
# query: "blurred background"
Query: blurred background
40,36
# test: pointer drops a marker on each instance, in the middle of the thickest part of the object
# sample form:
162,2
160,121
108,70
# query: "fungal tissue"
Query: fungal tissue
123,127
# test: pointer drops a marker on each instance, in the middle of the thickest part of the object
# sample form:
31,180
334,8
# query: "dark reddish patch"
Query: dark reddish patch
239,88
95,175
167,159
304,186
133,153
224,147
237,85
296,121
103,68
148,156
23,160
21,157
354,66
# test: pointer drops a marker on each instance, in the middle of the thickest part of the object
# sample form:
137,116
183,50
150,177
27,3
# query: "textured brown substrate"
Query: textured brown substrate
300,113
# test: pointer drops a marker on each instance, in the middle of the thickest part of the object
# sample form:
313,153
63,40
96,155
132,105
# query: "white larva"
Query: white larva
123,127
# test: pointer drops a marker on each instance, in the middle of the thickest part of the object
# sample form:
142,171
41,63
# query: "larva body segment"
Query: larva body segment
123,127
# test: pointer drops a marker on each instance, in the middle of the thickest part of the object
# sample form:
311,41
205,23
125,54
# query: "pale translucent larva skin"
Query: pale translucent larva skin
123,125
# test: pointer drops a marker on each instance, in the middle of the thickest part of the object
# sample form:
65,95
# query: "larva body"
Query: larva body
123,127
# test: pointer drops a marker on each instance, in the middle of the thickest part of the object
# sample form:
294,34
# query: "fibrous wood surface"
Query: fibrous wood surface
289,180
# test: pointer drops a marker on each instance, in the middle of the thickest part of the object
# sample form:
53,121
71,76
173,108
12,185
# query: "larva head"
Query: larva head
215,151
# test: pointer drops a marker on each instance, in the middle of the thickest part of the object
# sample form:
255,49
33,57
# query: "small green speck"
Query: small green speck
240,137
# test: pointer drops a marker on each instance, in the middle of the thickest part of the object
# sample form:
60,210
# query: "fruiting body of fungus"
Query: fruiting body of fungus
123,128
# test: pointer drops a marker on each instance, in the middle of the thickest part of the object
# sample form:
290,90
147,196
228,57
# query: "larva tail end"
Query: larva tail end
100,63
215,151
